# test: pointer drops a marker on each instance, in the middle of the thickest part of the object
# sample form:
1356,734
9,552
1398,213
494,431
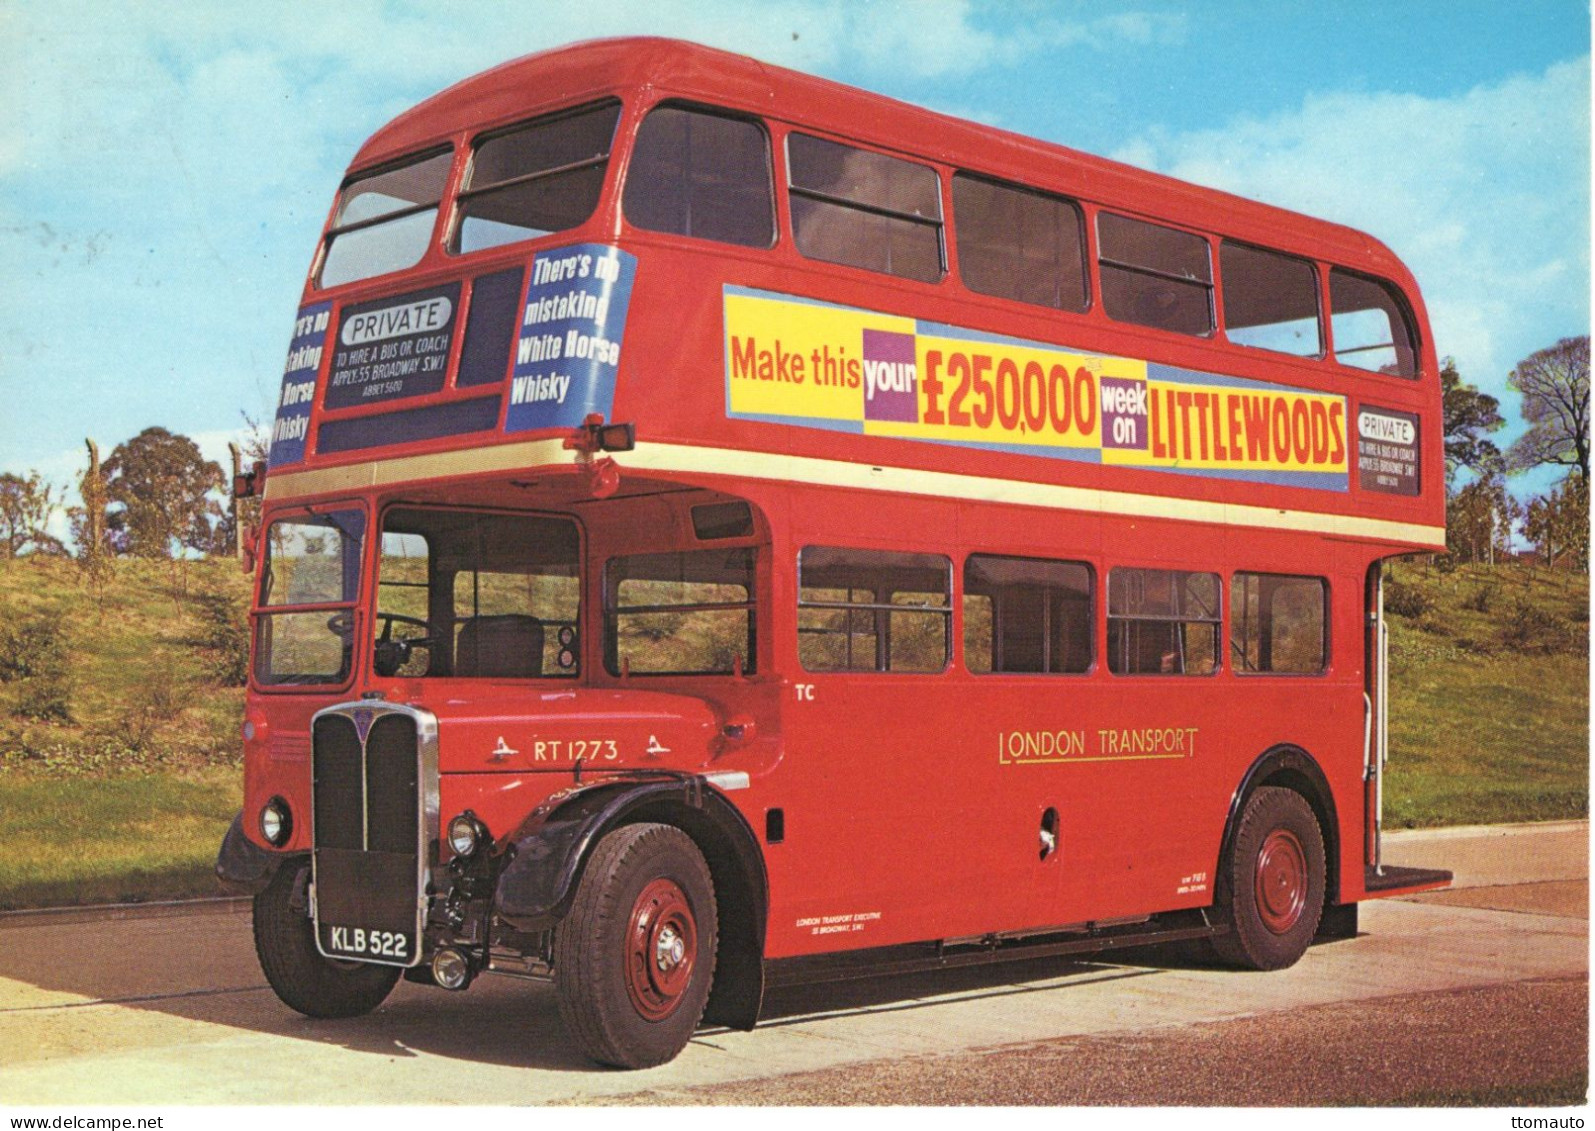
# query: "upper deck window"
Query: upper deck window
1155,276
1370,325
694,173
540,177
864,209
1018,243
1270,300
384,220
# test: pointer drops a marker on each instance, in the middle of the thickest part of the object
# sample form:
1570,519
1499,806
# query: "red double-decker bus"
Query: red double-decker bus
725,528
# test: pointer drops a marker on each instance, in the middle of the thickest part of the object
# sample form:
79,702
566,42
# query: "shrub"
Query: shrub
1405,600
1529,628
165,692
223,636
34,660
1480,599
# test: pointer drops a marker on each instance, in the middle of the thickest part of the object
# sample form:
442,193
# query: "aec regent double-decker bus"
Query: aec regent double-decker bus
724,528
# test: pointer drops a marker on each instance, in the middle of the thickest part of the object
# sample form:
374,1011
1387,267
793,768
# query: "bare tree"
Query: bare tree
1555,387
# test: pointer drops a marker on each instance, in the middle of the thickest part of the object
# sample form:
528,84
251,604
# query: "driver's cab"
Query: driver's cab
660,579
469,593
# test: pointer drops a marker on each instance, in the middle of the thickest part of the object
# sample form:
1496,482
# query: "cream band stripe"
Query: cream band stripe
839,473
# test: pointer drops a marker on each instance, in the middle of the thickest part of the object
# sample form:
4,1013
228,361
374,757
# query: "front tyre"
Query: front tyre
317,986
1271,888
634,958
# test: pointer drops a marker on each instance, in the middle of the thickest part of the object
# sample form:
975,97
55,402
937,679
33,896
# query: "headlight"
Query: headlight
466,834
276,822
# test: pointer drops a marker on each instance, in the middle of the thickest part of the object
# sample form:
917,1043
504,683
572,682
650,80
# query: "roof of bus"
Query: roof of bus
579,72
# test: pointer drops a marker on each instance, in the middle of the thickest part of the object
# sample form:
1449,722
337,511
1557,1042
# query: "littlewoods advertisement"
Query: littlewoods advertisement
818,365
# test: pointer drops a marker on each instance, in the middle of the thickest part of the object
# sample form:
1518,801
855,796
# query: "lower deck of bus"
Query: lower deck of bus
973,717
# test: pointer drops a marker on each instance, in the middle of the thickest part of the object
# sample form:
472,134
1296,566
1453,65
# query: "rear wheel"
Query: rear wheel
1271,888
634,958
317,986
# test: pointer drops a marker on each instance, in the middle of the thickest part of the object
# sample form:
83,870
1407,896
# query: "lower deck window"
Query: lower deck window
873,610
1277,623
1163,622
1027,615
680,613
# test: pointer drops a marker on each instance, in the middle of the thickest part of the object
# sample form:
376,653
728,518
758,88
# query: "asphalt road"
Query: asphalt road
1472,991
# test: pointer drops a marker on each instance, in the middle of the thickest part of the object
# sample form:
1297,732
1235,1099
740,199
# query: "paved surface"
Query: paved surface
1406,1050
161,1008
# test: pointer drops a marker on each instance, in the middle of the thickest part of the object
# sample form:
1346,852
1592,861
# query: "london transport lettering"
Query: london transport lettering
818,365
838,924
1098,744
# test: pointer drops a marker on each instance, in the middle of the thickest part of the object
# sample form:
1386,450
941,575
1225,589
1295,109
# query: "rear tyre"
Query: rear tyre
634,958
317,986
1271,887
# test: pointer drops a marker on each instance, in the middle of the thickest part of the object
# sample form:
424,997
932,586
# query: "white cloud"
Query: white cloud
1484,195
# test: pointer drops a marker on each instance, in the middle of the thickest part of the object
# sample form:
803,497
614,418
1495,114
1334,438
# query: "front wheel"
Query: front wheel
317,986
1271,887
634,958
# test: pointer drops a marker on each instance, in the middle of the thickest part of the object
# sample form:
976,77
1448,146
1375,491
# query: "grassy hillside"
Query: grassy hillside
132,676
1489,672
119,749
119,723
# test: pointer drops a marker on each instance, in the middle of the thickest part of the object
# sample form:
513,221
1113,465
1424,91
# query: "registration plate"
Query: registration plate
372,945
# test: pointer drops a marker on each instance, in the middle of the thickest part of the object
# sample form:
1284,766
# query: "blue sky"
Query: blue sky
165,169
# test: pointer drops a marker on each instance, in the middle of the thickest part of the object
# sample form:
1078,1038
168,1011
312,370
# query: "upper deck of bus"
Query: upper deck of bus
674,377
649,70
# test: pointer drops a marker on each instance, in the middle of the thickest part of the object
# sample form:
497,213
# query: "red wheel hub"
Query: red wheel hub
661,945
1280,882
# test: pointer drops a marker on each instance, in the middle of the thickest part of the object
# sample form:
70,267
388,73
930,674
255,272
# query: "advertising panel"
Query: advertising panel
818,365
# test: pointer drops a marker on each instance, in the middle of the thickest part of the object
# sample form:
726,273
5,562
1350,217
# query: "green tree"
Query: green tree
1557,523
1479,519
1469,416
159,488
1555,387
26,505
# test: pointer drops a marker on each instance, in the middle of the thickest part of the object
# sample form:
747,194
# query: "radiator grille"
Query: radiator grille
338,769
368,816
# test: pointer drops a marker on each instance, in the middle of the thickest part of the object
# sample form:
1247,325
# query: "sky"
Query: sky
165,169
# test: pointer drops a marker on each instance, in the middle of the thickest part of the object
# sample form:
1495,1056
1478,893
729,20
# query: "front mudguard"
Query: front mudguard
242,866
544,858
543,861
